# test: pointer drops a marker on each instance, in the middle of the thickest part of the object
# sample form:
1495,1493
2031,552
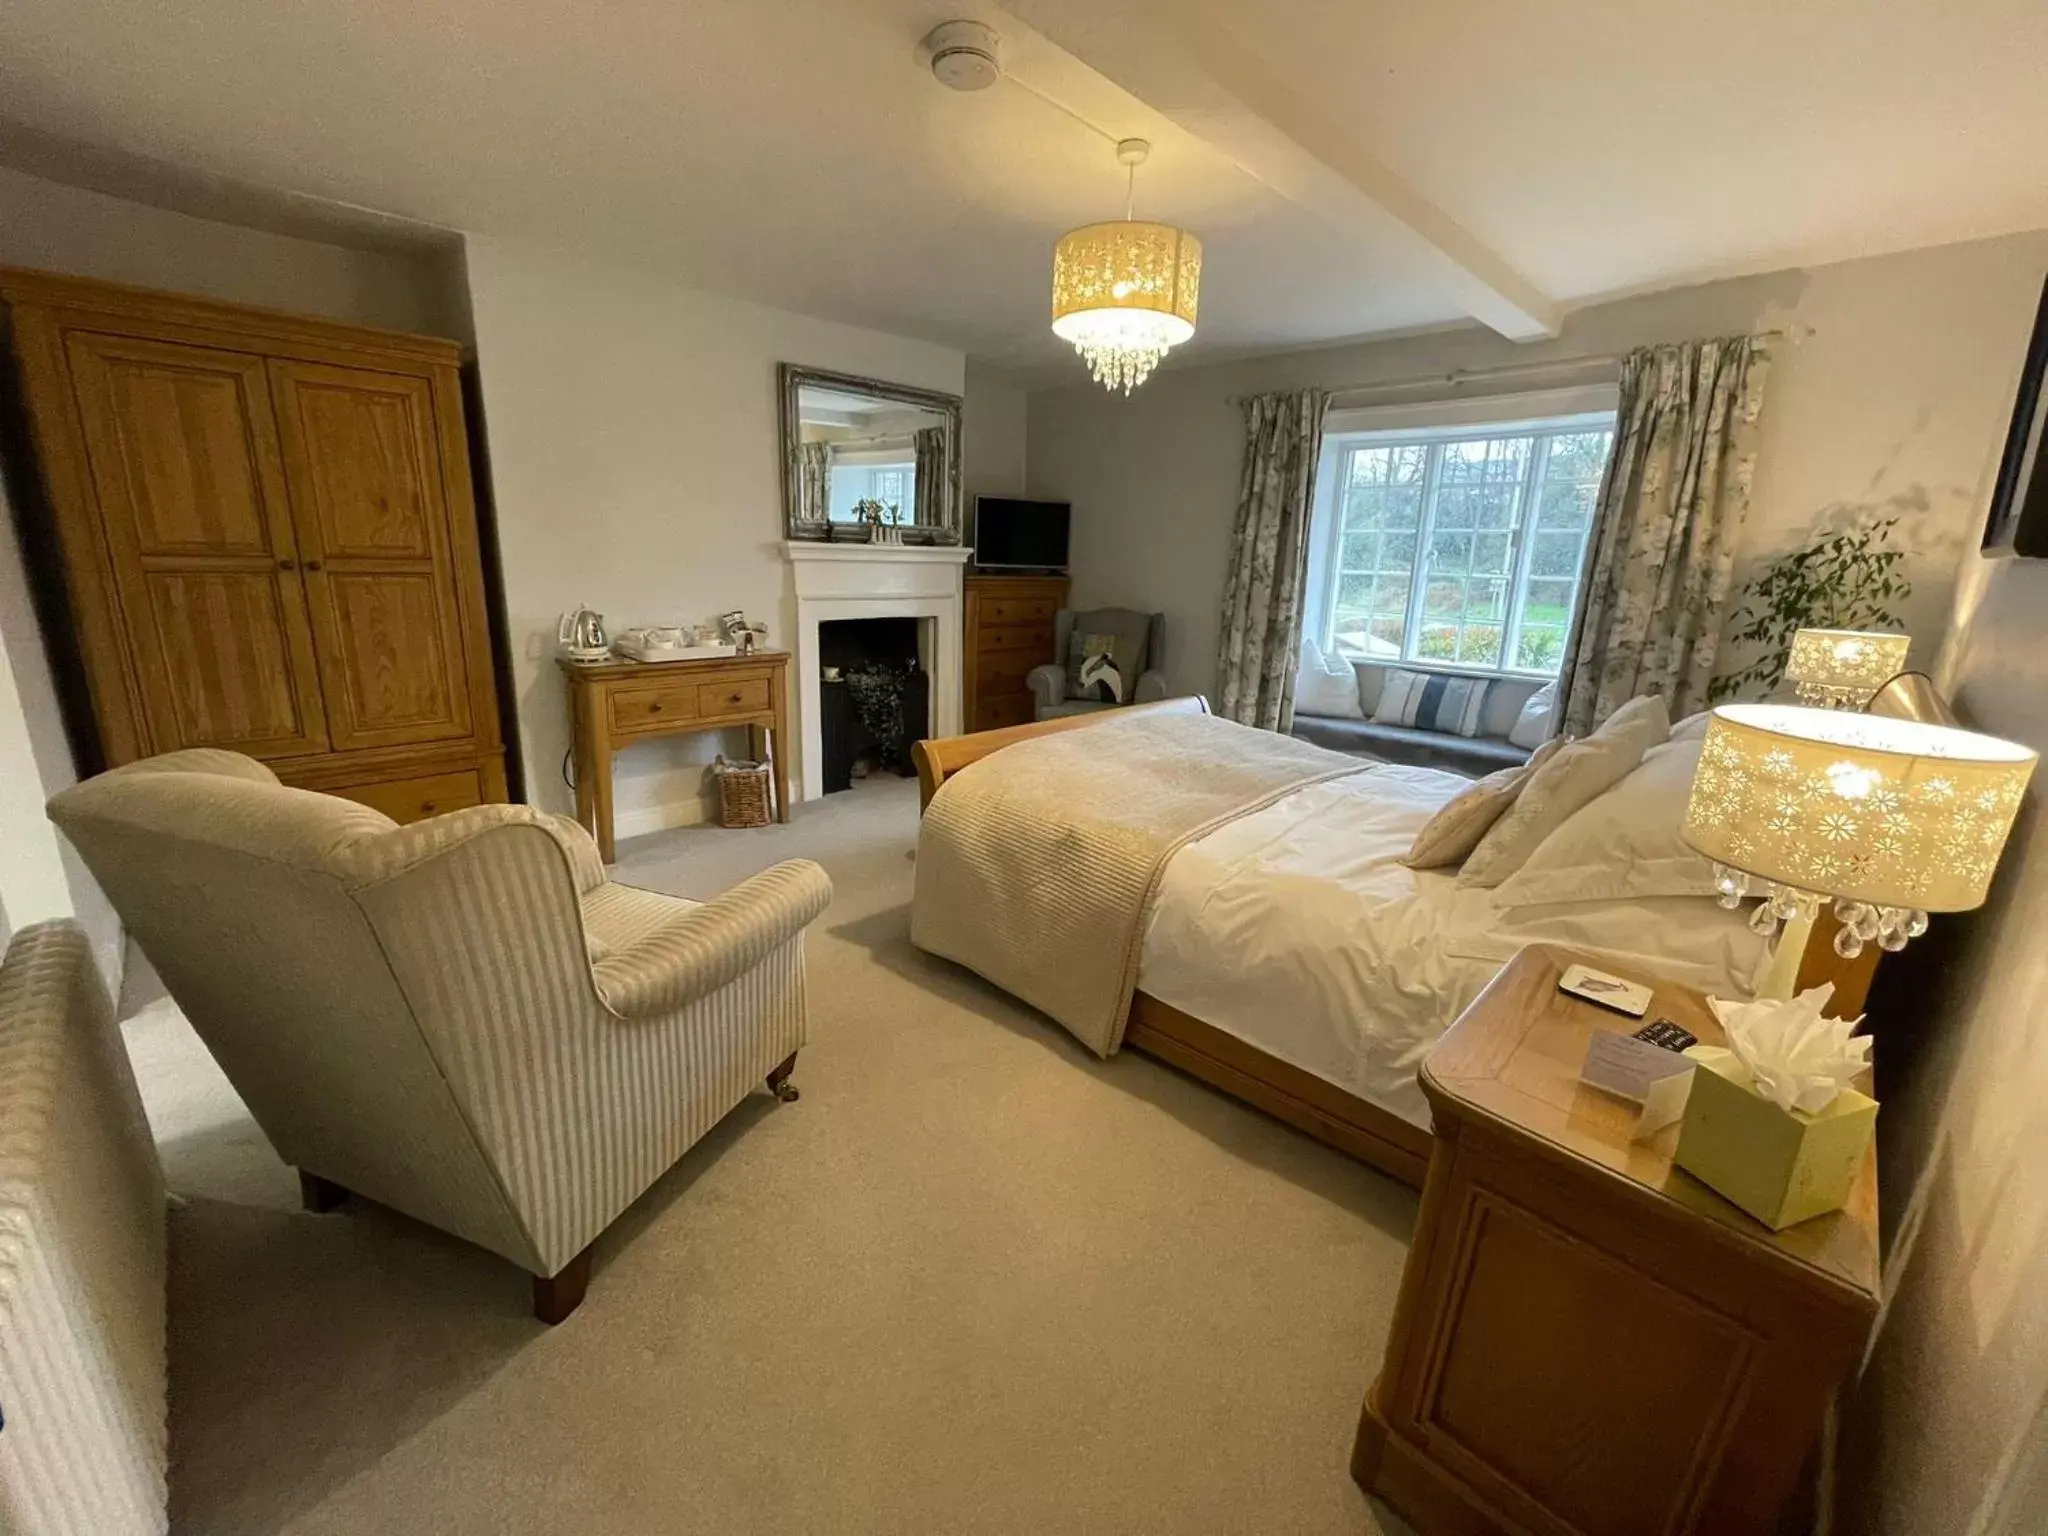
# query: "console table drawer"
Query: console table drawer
742,696
651,706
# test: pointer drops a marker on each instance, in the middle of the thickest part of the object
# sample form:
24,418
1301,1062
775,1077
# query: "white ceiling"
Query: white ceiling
795,151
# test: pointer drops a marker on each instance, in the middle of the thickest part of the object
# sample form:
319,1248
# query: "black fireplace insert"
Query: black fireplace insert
875,698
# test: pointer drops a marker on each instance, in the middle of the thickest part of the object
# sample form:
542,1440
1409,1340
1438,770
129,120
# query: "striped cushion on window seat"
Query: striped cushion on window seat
1432,701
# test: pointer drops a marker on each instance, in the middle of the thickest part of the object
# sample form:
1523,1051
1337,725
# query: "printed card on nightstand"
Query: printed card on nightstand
1647,1068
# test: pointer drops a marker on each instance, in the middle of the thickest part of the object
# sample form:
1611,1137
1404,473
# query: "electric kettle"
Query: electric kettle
582,635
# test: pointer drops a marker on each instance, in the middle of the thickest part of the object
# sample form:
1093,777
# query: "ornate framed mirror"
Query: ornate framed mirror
865,461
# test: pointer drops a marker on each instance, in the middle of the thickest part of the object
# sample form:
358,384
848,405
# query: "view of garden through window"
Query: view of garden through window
1499,518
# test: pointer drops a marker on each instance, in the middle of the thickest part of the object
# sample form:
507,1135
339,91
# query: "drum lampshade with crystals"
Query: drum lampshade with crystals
1893,819
1124,292
1842,668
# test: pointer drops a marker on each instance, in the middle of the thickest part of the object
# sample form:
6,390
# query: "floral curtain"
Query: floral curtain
928,444
1671,509
814,481
1269,559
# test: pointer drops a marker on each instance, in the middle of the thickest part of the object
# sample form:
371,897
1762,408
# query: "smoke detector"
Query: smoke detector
964,55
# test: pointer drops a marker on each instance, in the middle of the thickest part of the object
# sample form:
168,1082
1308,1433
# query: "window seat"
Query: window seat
1469,755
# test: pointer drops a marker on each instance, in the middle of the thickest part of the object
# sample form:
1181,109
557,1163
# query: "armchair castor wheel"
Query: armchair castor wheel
780,1085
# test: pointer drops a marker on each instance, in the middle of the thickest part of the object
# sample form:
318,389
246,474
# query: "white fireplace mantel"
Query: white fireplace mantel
875,581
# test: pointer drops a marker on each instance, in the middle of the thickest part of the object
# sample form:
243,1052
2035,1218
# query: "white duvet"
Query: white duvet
1297,929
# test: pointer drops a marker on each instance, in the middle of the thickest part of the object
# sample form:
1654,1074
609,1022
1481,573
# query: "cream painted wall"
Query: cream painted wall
88,234
1893,404
63,229
636,462
992,457
1949,1428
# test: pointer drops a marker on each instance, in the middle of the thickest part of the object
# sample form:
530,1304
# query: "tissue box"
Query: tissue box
1780,1165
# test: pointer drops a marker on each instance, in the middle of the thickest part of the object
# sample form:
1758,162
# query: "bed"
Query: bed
1282,952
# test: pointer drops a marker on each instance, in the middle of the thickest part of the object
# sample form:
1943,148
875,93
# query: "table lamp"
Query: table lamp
1891,819
1842,668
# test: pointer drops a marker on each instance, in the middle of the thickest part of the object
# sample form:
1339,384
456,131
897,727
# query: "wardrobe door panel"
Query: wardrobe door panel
184,461
362,456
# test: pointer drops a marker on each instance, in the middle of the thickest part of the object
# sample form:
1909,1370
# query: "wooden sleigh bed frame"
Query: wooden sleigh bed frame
1342,1120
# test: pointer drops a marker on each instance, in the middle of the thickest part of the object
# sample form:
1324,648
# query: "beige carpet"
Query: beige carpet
975,1281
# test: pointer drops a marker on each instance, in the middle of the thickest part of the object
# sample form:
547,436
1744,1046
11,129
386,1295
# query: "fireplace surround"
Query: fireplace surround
875,581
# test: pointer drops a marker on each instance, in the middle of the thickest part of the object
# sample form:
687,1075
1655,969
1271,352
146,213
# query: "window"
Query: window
1457,545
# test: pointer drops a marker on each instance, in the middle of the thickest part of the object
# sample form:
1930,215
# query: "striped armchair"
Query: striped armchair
461,1019
82,1383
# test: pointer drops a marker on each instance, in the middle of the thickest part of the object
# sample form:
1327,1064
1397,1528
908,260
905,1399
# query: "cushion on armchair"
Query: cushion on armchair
1106,655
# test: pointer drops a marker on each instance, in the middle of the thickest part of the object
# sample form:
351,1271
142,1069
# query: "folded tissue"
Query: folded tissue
1774,1122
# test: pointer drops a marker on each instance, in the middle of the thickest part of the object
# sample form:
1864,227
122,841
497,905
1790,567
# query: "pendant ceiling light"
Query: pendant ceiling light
1124,292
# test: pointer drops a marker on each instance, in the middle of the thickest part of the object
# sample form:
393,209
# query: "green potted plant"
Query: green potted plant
1845,580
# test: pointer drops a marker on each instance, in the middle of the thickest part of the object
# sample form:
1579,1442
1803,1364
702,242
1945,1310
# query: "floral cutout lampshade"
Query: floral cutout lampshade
1842,668
1124,293
1892,818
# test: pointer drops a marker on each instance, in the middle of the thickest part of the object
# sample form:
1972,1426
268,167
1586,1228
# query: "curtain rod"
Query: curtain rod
1793,334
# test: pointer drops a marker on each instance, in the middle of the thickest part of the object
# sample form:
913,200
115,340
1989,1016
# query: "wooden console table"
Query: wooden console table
614,704
1589,1341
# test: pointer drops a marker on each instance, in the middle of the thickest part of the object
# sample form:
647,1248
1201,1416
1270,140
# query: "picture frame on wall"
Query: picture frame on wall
2018,524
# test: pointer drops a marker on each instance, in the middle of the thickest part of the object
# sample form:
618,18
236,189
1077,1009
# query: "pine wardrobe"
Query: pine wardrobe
268,538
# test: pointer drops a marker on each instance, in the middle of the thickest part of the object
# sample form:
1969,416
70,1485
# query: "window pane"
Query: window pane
1490,554
1486,600
1567,504
1382,511
1579,455
1450,552
1539,647
1443,599
1489,461
1555,554
1480,646
1439,642
1561,523
1548,602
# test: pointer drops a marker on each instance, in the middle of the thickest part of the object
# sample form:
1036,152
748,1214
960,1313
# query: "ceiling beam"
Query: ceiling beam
1176,60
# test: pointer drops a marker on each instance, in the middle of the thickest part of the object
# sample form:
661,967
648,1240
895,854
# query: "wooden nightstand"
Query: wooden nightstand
1589,1342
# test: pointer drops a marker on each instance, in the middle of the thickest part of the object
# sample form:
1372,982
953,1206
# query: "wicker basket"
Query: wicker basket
742,793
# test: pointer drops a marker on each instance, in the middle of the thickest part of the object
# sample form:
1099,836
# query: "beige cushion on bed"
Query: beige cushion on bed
1627,845
1574,776
1450,835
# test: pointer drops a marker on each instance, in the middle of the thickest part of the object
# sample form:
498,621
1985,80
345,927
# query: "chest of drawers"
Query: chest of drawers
1009,631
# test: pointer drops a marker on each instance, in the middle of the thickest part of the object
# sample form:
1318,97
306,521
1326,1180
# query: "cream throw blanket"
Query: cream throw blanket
1036,866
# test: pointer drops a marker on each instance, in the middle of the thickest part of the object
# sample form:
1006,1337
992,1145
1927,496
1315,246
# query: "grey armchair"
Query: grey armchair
461,1019
1145,635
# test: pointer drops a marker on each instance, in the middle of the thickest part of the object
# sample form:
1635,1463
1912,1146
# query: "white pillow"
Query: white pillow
1326,684
1692,727
1625,844
1578,774
1537,722
1450,835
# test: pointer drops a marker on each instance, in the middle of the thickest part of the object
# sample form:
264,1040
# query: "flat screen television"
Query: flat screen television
1011,534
